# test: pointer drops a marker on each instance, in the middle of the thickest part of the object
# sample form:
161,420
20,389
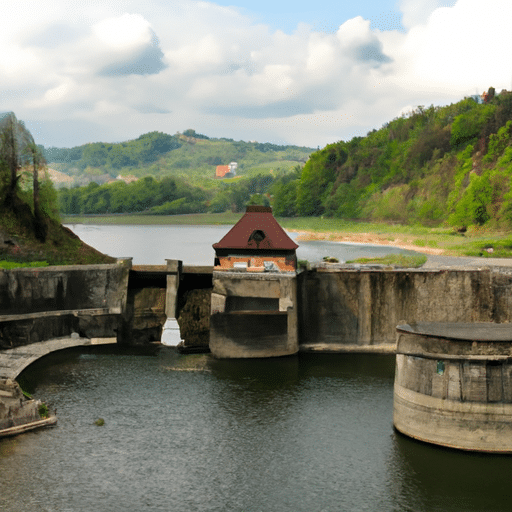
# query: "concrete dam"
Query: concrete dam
255,302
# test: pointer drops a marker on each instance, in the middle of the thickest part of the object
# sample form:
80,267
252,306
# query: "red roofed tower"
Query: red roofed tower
256,242
254,297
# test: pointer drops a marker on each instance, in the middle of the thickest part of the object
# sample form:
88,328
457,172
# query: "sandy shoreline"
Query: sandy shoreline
364,238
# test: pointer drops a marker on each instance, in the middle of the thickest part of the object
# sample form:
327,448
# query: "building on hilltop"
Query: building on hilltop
226,171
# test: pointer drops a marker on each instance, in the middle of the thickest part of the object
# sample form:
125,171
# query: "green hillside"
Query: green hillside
189,155
437,165
30,228
176,174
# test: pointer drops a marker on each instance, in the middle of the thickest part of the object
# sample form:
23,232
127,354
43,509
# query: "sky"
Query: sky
304,73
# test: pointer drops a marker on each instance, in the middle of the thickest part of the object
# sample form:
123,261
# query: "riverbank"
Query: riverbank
366,238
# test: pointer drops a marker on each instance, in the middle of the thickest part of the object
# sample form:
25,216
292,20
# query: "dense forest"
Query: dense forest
166,196
449,164
176,174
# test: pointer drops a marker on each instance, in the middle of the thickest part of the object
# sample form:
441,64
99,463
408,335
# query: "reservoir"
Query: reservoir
190,433
152,245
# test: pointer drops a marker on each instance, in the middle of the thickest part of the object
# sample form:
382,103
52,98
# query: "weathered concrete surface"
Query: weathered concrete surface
243,334
453,385
30,290
37,304
361,308
156,291
14,361
15,408
254,314
194,320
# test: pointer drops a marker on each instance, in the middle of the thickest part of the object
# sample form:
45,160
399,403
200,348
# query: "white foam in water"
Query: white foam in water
171,335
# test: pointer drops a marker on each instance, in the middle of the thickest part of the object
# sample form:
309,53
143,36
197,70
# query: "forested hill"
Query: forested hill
189,154
439,164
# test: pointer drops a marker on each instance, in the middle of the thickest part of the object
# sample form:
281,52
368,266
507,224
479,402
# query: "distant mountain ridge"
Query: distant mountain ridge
188,154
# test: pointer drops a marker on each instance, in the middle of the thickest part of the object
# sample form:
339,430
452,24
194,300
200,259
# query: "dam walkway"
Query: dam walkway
13,361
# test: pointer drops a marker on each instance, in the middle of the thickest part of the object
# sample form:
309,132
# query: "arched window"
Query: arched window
258,236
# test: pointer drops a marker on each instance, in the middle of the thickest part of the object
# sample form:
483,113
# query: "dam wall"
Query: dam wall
38,304
338,309
359,309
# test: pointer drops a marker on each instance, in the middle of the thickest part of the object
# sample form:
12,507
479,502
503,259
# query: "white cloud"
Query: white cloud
127,31
417,12
130,67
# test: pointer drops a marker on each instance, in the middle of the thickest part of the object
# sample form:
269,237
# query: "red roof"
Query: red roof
222,170
257,229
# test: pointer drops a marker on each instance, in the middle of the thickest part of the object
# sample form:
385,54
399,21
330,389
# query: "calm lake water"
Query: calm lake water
191,433
151,245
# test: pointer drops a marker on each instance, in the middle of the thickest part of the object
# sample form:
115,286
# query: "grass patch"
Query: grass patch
61,247
395,260
18,264
488,248
44,412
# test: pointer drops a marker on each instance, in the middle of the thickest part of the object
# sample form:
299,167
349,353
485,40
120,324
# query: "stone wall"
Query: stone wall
363,307
15,408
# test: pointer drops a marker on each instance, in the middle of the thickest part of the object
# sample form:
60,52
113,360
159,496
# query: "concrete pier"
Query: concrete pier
254,314
453,385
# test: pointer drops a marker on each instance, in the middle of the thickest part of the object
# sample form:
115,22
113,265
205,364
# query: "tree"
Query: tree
37,158
9,155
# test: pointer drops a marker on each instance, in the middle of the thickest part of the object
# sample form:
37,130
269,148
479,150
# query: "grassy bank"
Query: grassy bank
196,219
440,240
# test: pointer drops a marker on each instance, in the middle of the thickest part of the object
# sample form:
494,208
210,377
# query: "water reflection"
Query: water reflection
428,477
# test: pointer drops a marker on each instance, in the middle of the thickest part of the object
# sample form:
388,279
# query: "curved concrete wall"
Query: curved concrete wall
455,392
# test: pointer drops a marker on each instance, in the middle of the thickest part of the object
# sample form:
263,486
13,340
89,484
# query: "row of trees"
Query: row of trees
168,196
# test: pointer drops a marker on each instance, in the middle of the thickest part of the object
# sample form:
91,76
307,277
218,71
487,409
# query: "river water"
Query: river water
152,245
191,433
